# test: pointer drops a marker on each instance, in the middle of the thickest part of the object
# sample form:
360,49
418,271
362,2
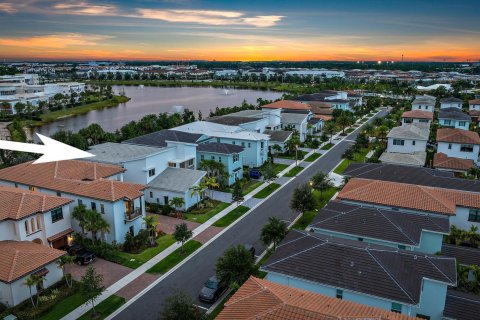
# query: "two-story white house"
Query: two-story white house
295,121
454,118
451,102
33,216
98,186
407,144
457,143
417,116
424,102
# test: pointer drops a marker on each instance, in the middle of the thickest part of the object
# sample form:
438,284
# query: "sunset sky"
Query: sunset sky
422,30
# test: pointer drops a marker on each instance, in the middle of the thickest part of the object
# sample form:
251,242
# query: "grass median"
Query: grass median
204,214
175,257
313,157
105,308
135,260
294,171
230,217
265,192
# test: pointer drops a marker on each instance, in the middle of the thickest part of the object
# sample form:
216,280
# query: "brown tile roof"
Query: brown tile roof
474,101
287,104
408,196
60,235
419,114
323,117
19,258
457,136
474,113
441,160
260,299
76,177
16,204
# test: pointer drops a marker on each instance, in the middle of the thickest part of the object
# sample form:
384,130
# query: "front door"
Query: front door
165,200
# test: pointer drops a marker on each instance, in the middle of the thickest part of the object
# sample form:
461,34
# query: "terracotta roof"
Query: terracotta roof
474,113
76,177
287,104
19,258
441,160
457,136
16,204
418,114
60,235
474,101
323,117
261,299
408,196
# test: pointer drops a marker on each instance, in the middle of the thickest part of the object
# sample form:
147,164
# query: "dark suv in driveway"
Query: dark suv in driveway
211,291
82,255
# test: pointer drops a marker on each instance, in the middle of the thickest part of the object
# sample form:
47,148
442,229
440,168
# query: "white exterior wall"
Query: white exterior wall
451,105
13,293
423,107
256,126
137,171
158,196
253,155
455,152
408,147
416,120
472,107
184,151
460,219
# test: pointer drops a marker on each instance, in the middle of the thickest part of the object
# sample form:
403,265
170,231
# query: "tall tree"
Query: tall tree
62,263
150,226
33,280
177,202
273,232
179,306
237,194
197,190
268,172
302,199
182,234
235,266
322,183
91,286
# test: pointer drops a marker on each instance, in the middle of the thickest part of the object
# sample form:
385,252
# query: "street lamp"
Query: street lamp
296,155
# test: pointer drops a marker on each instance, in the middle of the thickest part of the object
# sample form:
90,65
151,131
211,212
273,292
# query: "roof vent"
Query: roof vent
359,272
415,257
352,263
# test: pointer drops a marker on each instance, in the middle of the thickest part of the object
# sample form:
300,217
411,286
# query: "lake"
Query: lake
148,100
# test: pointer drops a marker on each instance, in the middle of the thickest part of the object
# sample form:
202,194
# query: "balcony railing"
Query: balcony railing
132,215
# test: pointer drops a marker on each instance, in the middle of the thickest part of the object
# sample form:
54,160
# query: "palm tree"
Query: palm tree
95,223
150,226
79,213
211,183
62,263
321,182
197,191
177,202
369,129
33,281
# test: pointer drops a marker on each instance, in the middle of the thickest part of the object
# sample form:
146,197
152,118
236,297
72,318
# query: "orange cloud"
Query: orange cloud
7,7
85,8
53,41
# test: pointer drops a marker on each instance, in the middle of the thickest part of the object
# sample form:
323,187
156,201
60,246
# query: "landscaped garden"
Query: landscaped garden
207,211
134,260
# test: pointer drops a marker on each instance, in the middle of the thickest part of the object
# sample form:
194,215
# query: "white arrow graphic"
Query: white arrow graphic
51,149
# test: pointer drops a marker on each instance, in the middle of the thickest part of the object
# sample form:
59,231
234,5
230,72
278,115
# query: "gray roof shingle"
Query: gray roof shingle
218,147
417,131
232,120
411,175
461,305
159,138
451,100
176,179
118,153
454,114
278,135
382,224
464,255
379,271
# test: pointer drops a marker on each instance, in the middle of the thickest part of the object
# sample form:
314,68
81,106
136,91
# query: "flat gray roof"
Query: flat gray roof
111,152
176,179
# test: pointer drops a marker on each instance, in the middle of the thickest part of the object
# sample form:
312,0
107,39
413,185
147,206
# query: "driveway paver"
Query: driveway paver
167,224
207,234
136,286
111,272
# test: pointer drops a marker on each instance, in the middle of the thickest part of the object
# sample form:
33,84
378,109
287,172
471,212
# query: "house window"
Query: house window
396,307
449,146
213,157
249,145
172,164
262,144
408,120
474,215
466,148
339,294
236,157
102,208
151,194
402,247
16,185
202,157
165,199
233,142
360,239
243,144
462,123
94,206
447,122
220,159
398,142
59,194
218,139
413,142
422,316
32,225
27,228
32,188
151,172
57,214
80,202
190,162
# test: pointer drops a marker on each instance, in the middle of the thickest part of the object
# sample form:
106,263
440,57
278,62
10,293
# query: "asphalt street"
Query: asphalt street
190,277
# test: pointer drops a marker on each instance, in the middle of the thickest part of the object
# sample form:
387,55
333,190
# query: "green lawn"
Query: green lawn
64,307
105,308
349,130
279,167
265,192
175,257
307,218
357,157
250,186
230,217
204,214
327,146
313,157
134,260
293,172
300,155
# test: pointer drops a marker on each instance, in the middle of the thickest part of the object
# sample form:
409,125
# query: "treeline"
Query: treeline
94,133
221,111
7,71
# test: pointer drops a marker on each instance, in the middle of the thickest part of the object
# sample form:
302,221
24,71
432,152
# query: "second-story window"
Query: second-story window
398,142
94,206
339,294
57,214
474,215
102,208
466,148
396,307
236,157
151,172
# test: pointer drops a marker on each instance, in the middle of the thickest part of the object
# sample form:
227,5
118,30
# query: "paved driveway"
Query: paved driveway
190,276
167,224
111,272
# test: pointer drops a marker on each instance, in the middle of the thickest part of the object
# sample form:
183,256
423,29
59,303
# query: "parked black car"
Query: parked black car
250,248
211,291
82,255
